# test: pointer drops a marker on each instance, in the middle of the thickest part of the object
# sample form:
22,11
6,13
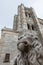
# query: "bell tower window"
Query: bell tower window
32,27
29,15
26,15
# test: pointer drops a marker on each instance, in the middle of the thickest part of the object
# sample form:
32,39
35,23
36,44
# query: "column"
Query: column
23,18
19,28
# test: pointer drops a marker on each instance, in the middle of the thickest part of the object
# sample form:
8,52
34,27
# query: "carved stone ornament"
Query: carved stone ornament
30,51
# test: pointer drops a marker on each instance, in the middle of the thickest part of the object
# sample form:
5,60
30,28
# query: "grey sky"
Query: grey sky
8,8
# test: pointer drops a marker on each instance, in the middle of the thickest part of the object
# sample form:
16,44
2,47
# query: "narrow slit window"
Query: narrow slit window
28,26
32,27
7,58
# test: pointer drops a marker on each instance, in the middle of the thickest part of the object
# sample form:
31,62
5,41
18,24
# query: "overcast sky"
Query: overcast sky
8,8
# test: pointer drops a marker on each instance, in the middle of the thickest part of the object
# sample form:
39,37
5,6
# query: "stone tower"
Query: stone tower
25,21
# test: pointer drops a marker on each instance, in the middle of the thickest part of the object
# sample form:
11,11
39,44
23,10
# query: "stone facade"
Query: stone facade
25,21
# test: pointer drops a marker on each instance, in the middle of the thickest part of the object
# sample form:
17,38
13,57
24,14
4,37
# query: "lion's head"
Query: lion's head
25,42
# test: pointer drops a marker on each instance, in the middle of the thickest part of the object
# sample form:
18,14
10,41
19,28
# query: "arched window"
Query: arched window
27,14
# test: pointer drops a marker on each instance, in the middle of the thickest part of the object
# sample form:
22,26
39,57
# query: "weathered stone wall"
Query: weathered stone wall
9,46
41,25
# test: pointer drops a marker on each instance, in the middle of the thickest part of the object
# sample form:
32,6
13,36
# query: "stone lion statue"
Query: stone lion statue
30,51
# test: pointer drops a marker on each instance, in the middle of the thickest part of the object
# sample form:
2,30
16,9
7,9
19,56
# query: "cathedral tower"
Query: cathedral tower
25,21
